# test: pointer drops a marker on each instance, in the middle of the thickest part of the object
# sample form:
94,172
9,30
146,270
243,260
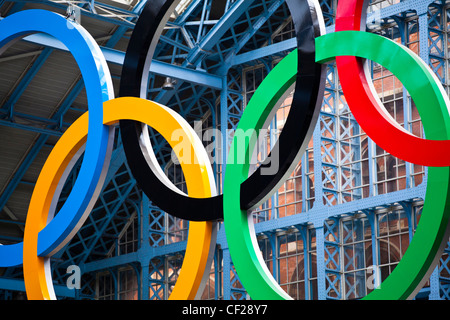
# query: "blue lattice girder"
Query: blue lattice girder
318,213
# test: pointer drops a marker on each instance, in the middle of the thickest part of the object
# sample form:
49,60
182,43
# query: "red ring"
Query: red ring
369,112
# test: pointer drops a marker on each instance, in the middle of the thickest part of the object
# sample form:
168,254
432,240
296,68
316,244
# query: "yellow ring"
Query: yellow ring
38,280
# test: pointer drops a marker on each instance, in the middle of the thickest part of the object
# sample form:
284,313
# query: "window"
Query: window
392,239
105,286
291,260
128,286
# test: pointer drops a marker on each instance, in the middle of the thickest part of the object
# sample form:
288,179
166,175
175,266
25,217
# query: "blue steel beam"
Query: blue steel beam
22,170
199,52
243,58
190,102
141,255
157,67
239,39
210,40
19,285
59,5
180,23
37,119
106,220
12,124
37,147
231,58
117,57
255,27
272,49
133,13
49,42
118,34
111,214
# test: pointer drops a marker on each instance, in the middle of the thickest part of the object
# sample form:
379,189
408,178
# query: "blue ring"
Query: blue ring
99,88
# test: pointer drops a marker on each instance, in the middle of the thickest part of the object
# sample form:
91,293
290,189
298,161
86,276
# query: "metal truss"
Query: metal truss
338,227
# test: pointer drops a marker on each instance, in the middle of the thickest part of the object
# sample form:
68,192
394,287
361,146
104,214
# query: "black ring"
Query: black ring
291,144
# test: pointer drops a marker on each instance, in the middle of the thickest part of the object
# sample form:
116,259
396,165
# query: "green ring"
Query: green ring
431,101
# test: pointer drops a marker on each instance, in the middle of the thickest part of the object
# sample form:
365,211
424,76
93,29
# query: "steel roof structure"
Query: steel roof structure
348,206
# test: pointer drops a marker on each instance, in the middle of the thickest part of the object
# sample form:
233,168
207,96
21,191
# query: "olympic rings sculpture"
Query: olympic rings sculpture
46,233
